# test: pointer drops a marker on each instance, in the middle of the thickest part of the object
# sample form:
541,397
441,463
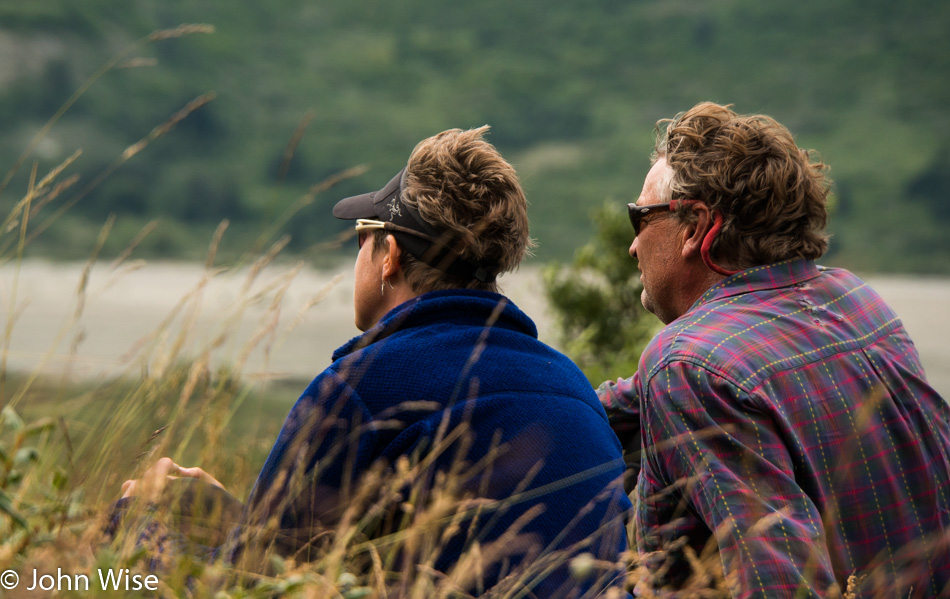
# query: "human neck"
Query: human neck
696,282
394,292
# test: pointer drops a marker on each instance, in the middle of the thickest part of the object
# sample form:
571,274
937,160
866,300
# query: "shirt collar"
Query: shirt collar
758,278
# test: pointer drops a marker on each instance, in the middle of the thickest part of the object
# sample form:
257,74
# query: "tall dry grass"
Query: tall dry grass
66,445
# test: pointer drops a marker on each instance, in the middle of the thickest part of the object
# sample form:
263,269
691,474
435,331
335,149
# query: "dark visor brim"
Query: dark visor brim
418,237
355,207
367,205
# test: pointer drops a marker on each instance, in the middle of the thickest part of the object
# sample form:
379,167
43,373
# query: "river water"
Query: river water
282,323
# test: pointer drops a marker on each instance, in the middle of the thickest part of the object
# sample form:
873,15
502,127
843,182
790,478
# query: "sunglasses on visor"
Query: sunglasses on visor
363,227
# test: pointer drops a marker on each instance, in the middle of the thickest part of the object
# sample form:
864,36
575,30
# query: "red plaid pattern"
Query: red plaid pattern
787,416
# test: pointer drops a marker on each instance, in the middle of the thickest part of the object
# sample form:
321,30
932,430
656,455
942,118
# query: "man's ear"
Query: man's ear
393,253
695,232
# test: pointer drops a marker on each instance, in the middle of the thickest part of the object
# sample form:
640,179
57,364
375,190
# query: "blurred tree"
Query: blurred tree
601,323
931,186
571,91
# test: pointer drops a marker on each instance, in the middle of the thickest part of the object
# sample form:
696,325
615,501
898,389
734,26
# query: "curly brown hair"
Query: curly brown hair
772,194
461,185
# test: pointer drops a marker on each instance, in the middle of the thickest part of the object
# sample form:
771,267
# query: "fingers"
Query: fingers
198,473
154,479
163,467
128,488
152,482
193,472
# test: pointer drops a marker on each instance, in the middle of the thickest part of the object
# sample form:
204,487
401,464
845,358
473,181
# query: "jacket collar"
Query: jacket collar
464,307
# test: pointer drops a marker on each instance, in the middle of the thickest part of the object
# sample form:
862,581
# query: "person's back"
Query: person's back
785,422
459,379
450,381
831,389
446,447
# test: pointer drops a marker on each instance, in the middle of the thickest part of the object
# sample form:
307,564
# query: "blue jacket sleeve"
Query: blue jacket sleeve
303,487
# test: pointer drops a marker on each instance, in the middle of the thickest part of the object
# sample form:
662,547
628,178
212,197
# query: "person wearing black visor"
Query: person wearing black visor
449,391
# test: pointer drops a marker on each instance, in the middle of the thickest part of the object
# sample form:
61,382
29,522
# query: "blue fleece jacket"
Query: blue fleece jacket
457,379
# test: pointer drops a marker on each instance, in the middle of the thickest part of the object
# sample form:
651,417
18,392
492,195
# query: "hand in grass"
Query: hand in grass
153,481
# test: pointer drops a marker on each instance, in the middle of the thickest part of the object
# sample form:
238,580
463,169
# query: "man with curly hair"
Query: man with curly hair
789,435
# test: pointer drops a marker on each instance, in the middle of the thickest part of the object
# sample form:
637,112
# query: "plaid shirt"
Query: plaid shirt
786,415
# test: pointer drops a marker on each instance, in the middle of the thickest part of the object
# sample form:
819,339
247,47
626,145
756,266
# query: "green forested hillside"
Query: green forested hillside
571,89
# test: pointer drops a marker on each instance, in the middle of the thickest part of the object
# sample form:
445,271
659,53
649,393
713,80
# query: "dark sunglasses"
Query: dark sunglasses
638,213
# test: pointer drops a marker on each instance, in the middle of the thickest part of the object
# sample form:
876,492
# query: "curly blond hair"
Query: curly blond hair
772,194
461,185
